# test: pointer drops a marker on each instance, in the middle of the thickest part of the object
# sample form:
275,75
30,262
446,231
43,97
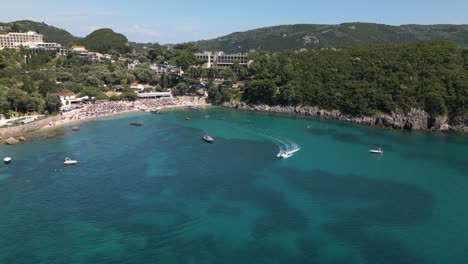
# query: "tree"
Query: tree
52,103
28,85
17,28
228,74
184,59
180,89
128,94
156,54
260,91
47,86
18,99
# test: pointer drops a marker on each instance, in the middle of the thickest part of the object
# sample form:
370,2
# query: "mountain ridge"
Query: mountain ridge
294,36
290,36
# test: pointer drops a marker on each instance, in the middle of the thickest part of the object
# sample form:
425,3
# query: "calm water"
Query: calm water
159,194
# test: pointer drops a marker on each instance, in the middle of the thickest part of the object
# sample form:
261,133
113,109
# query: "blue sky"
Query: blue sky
179,21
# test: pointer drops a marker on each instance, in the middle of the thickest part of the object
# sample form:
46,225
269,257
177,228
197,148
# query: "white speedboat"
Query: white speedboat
7,159
208,139
376,151
284,154
69,161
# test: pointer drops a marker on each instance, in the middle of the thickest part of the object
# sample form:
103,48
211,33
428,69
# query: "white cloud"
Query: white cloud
147,32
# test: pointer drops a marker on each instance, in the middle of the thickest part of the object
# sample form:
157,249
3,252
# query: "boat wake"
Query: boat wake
286,148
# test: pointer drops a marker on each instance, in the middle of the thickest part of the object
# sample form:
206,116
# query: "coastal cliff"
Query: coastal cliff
413,120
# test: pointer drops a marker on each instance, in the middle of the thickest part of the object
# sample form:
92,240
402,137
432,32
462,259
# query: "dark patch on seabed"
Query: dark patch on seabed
396,204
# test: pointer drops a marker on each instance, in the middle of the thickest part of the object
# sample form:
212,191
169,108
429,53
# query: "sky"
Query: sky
173,21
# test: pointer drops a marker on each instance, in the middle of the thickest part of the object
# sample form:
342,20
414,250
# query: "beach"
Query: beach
100,109
111,108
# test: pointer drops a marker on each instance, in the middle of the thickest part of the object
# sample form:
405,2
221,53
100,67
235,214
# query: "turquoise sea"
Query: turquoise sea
160,194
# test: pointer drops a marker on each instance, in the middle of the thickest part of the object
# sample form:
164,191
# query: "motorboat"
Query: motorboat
7,159
284,154
208,139
155,111
69,161
376,151
187,118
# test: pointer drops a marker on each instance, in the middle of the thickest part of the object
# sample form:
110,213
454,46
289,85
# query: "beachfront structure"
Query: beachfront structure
220,60
30,40
69,99
155,95
137,87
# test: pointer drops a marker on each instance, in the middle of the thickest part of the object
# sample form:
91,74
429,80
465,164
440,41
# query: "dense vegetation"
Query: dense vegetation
318,36
29,81
432,76
104,40
51,34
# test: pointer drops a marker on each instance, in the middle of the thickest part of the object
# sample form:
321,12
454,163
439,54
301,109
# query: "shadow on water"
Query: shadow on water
460,165
396,204
348,138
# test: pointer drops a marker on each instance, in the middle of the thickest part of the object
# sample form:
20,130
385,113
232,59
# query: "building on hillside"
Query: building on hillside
11,39
96,56
38,45
30,39
155,95
137,87
220,60
79,49
167,69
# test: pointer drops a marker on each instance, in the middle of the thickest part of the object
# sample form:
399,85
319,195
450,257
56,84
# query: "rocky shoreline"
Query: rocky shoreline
414,120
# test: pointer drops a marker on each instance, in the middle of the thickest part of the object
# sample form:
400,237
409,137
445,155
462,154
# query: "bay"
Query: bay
160,194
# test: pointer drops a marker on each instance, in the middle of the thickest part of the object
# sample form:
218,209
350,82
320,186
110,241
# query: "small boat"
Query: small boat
187,118
69,161
155,112
7,159
376,151
284,154
195,107
208,139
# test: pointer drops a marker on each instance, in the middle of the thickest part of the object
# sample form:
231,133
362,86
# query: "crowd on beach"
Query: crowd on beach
108,108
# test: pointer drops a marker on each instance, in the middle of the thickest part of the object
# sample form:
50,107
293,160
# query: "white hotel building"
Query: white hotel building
30,40
221,60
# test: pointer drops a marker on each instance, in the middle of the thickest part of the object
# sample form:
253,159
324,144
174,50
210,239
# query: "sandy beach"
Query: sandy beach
110,108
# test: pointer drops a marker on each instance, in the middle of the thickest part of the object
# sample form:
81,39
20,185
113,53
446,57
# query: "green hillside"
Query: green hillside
316,36
51,34
105,39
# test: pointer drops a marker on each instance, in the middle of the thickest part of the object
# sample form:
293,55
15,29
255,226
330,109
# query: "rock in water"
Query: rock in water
75,128
11,141
22,139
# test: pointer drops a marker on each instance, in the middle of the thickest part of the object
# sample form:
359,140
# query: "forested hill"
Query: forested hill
51,33
431,76
317,36
104,40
